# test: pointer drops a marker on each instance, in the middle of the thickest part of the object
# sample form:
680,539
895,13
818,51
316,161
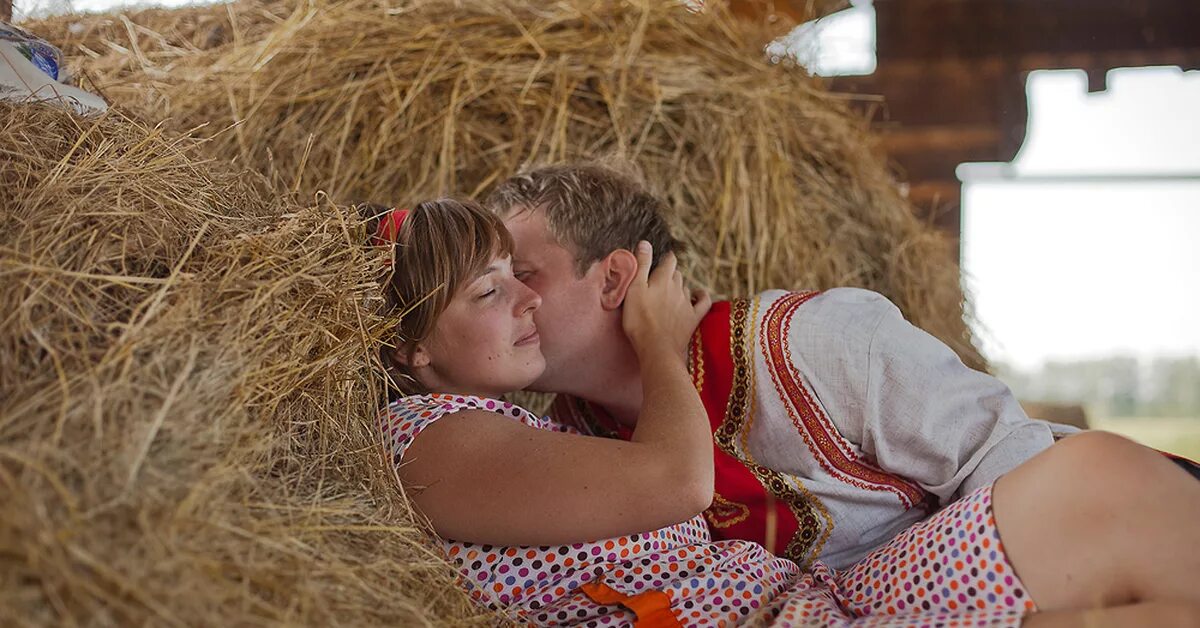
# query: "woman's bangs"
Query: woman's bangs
491,240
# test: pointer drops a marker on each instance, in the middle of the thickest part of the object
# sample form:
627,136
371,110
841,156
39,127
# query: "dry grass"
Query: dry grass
185,368
186,355
773,179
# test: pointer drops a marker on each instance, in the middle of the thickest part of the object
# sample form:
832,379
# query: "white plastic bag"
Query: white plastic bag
31,70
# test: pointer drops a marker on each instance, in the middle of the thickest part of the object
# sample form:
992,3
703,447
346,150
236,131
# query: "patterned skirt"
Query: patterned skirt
947,570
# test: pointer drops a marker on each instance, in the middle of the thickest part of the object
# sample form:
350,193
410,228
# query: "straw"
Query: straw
187,374
772,177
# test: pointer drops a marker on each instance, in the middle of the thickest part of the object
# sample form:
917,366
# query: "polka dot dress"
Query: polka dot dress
677,576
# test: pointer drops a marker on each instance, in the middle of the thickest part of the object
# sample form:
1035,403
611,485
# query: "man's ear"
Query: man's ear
618,269
417,358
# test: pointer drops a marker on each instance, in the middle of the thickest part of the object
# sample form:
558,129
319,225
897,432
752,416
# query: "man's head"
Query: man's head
575,227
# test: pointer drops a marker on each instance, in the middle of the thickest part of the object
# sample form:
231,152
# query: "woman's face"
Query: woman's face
485,343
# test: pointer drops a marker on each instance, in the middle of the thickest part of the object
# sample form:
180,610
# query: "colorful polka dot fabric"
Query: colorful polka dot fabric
950,570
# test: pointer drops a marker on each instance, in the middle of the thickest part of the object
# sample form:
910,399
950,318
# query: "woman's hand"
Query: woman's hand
658,313
588,488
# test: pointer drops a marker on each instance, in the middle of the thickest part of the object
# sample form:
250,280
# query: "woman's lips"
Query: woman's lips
528,339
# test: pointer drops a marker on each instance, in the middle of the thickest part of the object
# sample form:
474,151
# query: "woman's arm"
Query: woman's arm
484,478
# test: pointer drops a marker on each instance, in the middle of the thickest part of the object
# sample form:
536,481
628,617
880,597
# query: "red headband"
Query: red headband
389,227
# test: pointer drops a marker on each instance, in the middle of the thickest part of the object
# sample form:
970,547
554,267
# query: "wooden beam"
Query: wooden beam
6,11
969,29
986,91
938,203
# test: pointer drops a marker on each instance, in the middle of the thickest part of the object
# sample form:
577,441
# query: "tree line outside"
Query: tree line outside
1114,387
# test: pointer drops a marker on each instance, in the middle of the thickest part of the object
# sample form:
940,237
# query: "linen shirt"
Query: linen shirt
858,422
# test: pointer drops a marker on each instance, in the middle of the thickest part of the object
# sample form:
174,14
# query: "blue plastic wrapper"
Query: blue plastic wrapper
42,55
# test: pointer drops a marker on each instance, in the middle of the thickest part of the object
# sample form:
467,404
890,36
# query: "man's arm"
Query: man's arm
911,405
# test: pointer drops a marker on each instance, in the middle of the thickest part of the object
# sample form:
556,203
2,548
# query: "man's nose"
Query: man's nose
532,300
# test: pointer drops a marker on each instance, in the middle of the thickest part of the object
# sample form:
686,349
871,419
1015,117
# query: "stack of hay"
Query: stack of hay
185,368
772,178
186,359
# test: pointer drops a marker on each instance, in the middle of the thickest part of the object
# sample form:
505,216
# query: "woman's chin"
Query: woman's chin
533,373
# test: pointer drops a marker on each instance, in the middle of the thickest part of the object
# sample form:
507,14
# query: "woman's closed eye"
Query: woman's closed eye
490,292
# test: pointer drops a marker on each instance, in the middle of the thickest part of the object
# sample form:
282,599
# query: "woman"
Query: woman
525,499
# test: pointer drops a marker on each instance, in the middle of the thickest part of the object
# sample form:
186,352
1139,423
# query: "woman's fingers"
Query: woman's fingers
701,303
666,266
645,257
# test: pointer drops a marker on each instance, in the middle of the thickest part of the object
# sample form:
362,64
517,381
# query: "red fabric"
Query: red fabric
741,505
740,509
389,227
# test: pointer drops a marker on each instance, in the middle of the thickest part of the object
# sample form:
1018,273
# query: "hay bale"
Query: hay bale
112,46
185,376
775,183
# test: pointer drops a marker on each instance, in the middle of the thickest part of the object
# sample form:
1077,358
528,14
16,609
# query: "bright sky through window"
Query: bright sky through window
1091,249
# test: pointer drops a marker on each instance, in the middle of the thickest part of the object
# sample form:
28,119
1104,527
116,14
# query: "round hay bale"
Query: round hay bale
774,181
187,396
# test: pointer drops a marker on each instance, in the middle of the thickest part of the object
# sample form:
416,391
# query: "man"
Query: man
837,424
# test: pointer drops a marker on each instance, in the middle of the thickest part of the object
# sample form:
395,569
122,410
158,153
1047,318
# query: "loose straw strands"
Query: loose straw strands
186,376
772,178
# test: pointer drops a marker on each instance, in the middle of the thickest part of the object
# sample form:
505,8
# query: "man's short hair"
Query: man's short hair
592,208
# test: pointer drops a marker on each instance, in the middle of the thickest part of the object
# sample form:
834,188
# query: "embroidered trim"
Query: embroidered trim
803,546
832,451
696,362
724,513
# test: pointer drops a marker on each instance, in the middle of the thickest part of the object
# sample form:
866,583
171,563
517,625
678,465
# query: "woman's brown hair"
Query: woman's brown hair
441,246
